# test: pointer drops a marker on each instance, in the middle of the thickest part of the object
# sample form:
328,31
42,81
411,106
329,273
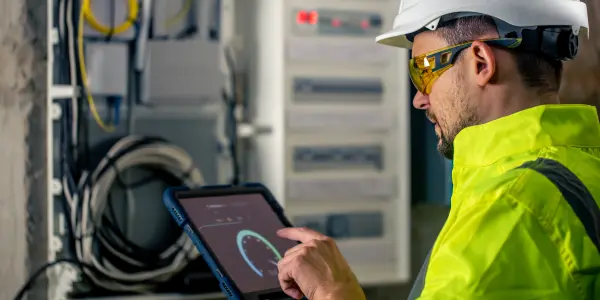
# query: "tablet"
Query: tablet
235,231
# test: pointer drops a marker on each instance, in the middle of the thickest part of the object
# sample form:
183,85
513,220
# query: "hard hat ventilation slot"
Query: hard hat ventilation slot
433,25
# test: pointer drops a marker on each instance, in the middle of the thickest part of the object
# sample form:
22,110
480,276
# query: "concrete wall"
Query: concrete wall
23,243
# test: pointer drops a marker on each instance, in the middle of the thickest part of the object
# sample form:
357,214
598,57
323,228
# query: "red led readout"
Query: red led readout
307,17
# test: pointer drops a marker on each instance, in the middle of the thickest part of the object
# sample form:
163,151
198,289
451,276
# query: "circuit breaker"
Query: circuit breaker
337,155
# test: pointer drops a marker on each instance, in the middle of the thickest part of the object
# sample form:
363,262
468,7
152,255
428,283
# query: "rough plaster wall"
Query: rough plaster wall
22,98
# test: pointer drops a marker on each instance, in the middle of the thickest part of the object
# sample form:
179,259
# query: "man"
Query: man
524,223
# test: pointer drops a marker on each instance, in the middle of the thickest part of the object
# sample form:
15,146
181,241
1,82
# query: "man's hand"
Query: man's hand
316,268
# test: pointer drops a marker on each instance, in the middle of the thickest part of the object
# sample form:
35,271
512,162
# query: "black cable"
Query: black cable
111,232
215,26
74,162
233,142
232,120
39,272
65,170
83,150
112,11
69,167
66,157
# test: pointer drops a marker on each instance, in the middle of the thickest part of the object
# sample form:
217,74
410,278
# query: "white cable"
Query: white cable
130,198
163,156
61,18
67,274
142,40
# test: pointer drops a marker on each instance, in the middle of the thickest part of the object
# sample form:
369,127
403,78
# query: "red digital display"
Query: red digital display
314,17
302,17
307,17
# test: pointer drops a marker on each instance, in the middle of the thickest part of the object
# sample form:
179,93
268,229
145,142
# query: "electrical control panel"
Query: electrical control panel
352,171
345,225
301,50
336,22
348,188
364,157
178,75
329,32
107,68
339,119
306,90
337,103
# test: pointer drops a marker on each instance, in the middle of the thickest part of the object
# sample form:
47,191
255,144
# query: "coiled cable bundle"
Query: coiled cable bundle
106,267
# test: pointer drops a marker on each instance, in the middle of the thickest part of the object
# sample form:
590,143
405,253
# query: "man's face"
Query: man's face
448,106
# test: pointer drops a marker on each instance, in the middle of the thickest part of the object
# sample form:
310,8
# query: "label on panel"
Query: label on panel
342,90
335,158
367,119
343,226
341,189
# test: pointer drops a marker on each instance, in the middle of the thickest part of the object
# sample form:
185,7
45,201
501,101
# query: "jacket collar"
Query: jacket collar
534,128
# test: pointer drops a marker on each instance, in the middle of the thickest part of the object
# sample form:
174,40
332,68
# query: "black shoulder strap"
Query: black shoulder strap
417,288
572,189
575,193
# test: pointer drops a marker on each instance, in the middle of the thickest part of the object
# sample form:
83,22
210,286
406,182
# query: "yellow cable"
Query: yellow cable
185,9
88,14
84,78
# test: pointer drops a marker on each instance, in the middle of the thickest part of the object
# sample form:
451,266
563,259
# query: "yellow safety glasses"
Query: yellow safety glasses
425,69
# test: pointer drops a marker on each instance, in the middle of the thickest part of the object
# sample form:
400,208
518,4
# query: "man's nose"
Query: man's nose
421,101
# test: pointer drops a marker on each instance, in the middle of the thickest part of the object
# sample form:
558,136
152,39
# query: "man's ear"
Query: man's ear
484,62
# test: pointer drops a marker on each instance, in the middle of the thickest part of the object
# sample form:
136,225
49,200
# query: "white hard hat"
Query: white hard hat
414,15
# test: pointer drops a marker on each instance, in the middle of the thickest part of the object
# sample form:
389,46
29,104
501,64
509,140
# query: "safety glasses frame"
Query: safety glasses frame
426,68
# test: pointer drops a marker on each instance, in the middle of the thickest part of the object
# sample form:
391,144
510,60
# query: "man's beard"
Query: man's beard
446,145
466,117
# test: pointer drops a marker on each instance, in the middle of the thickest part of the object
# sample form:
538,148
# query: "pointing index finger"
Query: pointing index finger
299,234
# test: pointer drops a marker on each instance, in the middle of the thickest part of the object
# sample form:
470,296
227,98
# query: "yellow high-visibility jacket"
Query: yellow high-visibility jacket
524,221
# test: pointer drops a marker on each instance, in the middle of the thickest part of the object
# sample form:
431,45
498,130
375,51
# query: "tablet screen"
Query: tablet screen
240,230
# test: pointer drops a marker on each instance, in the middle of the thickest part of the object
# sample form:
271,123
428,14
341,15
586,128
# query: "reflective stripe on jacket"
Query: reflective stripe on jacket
512,233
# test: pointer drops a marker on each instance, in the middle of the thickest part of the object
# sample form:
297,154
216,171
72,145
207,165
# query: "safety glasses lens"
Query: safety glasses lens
421,74
415,76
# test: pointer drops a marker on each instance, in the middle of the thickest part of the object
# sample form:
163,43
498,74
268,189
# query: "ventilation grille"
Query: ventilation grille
227,290
177,215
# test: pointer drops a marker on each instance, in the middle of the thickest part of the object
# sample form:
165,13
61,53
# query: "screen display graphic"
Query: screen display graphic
241,231
258,252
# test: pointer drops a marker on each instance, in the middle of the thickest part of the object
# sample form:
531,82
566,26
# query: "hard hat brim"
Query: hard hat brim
395,39
515,12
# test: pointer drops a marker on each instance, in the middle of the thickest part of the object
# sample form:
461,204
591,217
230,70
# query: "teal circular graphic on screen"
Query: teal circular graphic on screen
257,251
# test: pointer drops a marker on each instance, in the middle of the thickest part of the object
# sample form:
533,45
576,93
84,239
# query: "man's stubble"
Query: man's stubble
462,107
